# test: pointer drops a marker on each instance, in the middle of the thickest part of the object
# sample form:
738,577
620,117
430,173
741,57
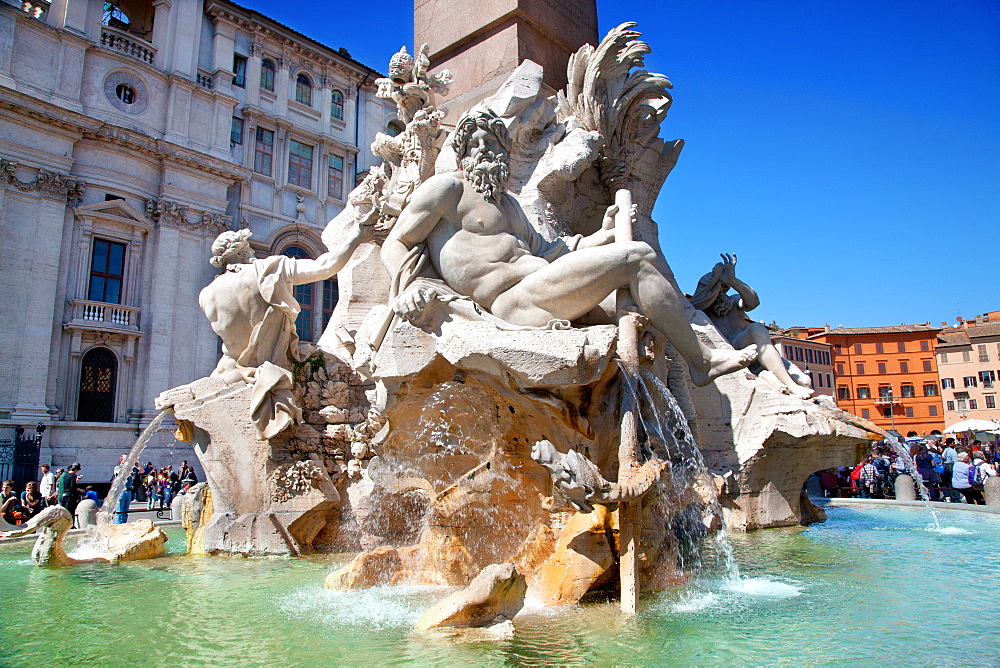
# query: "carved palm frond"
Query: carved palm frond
604,92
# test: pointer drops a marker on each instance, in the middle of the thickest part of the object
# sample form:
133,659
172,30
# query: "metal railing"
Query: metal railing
130,45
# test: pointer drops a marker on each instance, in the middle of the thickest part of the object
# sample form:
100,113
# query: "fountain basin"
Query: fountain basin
836,591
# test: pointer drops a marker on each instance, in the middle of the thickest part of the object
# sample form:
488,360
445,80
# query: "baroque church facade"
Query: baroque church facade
131,134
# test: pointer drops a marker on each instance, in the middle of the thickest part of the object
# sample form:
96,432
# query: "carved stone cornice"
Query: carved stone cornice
216,223
171,214
48,184
165,213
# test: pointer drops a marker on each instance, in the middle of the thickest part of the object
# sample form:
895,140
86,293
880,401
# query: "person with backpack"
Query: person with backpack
980,472
963,481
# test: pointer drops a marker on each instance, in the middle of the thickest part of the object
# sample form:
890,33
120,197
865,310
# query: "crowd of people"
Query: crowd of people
950,471
64,487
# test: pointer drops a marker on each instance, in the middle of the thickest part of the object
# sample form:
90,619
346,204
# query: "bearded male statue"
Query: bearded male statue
482,245
252,308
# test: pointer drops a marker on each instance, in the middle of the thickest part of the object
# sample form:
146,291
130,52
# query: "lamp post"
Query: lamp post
892,412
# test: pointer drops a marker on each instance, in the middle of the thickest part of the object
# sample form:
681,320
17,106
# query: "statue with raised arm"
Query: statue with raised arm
481,244
728,314
252,308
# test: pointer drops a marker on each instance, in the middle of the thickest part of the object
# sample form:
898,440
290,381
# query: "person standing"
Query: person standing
68,488
48,487
950,456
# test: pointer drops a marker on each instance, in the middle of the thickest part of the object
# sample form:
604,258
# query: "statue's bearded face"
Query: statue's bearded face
485,164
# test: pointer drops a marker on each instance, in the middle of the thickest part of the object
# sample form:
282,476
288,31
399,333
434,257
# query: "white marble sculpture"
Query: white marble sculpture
481,244
252,308
728,314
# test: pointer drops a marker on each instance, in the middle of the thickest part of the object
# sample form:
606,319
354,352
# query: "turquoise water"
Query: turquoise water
867,586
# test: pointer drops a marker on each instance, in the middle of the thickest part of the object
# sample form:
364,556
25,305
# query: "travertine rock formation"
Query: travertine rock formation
494,596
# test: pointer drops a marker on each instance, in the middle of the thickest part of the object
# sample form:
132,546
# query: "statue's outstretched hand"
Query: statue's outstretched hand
412,301
728,267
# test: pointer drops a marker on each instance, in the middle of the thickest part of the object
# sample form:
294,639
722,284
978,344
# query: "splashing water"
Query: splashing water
911,468
667,430
108,510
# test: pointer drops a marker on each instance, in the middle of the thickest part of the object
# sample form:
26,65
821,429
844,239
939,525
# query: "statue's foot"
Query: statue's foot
723,362
801,392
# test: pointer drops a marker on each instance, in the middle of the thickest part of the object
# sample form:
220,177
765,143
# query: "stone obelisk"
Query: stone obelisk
482,41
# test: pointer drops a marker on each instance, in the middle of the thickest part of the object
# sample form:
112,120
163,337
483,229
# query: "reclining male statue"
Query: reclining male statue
481,244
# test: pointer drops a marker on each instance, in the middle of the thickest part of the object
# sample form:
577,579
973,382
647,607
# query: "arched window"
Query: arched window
331,293
98,374
267,75
337,105
115,17
304,296
394,127
303,90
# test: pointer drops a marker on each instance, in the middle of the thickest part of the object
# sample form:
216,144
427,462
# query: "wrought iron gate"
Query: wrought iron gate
19,458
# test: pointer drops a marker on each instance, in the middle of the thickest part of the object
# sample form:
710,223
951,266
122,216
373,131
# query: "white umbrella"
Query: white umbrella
972,425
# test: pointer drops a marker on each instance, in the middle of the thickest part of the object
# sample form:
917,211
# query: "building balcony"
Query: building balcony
128,44
895,401
100,316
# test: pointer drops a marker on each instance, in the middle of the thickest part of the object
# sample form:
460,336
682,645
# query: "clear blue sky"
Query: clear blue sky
847,150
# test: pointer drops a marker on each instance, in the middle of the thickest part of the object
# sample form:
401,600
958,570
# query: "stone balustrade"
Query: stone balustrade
101,314
130,45
204,79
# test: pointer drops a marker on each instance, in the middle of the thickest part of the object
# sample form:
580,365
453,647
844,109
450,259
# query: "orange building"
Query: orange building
888,375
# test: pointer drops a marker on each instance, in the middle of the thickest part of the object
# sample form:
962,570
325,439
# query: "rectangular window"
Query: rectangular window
885,391
826,357
909,411
927,366
881,368
950,406
300,164
879,348
240,71
236,132
864,392
947,383
857,348
942,358
925,346
107,271
865,413
263,150
983,355
963,402
335,178
829,380
836,348
930,389
969,381
861,369
904,367
907,391
840,369
932,411
809,356
843,393
901,346
966,355
798,355
973,405
986,378
991,401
